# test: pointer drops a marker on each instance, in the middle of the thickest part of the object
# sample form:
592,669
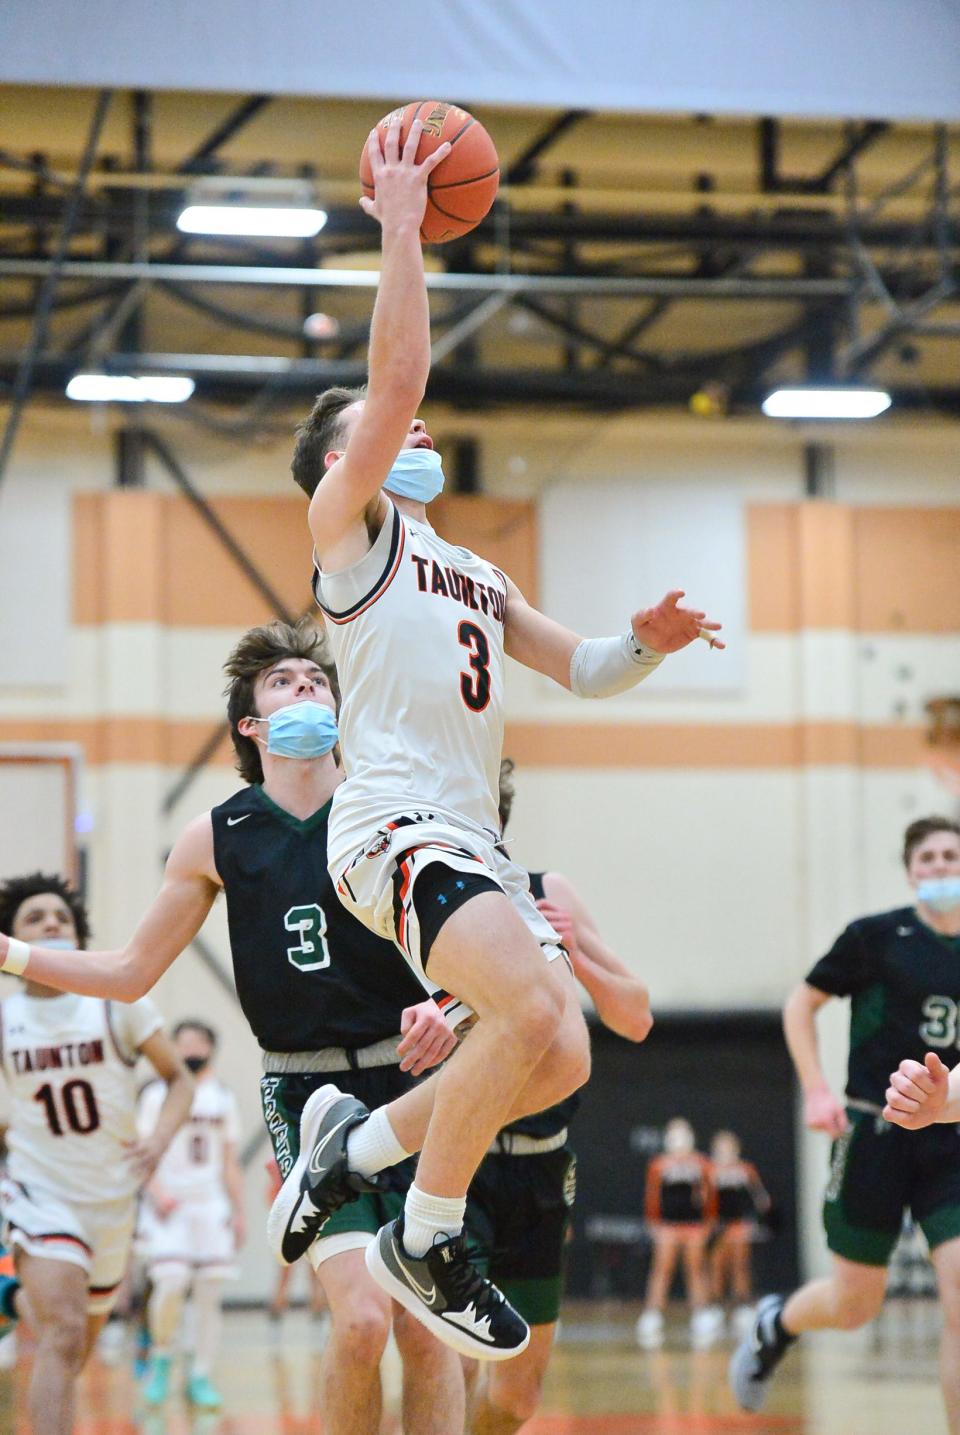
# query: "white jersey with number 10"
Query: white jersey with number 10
69,1063
416,630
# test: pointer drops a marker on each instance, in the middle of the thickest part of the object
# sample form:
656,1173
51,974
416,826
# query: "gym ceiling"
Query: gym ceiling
632,261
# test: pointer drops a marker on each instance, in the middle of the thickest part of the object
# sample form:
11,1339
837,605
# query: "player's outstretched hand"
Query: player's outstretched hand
399,183
667,628
144,1156
562,923
823,1112
427,1039
918,1093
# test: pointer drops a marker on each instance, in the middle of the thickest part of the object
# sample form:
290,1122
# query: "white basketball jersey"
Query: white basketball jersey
69,1063
191,1168
416,630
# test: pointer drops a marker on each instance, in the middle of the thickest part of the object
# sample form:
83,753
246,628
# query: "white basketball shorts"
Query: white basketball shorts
377,884
95,1235
197,1234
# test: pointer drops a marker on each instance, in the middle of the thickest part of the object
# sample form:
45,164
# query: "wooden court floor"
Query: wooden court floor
879,1382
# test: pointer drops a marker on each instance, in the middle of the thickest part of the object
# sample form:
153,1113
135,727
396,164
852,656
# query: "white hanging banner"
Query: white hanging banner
877,59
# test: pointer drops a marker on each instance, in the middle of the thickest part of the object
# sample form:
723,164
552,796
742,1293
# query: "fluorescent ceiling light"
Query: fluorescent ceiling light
833,403
266,221
130,389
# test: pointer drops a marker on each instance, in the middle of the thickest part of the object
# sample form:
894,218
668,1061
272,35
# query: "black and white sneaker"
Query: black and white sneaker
448,1295
758,1355
319,1182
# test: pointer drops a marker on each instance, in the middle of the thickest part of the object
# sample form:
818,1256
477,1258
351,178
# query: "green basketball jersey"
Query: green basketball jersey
308,975
903,980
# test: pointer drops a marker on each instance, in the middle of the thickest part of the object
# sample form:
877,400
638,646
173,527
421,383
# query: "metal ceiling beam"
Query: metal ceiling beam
196,162
211,518
781,229
523,167
773,182
651,286
230,380
53,271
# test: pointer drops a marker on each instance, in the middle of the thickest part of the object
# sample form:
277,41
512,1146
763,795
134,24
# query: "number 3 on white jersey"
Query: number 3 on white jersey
310,924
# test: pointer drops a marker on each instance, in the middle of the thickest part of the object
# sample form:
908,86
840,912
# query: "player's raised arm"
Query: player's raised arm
602,667
399,354
175,917
922,1092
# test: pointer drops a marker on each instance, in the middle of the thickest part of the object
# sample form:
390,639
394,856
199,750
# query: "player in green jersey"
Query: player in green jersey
520,1202
901,971
325,998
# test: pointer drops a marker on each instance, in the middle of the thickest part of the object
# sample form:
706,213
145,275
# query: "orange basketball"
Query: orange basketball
464,185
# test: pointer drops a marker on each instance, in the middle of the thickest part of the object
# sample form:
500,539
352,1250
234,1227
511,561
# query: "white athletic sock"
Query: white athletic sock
207,1291
425,1217
372,1145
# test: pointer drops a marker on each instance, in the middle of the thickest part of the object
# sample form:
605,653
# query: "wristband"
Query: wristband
18,955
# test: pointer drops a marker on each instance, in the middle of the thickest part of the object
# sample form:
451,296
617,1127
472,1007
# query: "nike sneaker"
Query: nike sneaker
448,1295
758,1355
319,1182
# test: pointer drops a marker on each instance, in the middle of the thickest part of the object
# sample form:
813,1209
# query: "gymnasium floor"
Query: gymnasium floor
880,1382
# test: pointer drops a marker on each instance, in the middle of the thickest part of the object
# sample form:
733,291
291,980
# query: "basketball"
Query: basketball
464,185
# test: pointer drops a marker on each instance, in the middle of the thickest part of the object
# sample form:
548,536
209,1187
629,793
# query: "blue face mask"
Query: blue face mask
940,894
57,944
417,473
304,729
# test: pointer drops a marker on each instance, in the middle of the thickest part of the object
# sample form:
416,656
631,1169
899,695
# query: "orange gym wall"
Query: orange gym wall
148,558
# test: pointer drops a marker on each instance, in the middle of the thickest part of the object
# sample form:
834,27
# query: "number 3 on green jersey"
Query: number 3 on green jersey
309,922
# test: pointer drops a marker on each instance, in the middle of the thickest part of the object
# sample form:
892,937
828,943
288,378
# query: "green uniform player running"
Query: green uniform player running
901,972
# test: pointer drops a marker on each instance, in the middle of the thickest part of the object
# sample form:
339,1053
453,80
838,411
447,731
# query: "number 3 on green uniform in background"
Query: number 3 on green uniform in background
310,924
940,1027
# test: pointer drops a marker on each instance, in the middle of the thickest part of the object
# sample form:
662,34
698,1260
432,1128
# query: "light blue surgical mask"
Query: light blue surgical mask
57,944
940,894
417,473
306,729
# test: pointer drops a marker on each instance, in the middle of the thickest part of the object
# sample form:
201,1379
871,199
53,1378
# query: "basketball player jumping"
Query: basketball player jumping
69,1200
325,998
419,629
902,973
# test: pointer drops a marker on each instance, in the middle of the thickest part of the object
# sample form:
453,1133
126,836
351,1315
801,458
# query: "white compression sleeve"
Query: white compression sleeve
603,667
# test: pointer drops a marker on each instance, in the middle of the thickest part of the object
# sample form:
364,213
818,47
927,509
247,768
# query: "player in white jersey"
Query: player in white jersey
75,1164
194,1218
419,629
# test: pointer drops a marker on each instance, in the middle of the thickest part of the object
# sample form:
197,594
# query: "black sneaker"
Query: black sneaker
758,1355
319,1182
447,1295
